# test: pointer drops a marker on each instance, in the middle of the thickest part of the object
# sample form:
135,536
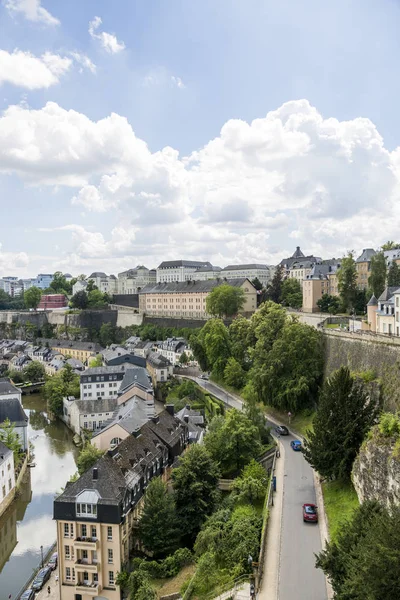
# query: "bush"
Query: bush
389,425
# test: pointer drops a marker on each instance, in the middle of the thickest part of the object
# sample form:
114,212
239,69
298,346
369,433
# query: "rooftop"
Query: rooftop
167,264
366,255
99,405
191,286
11,408
6,387
243,267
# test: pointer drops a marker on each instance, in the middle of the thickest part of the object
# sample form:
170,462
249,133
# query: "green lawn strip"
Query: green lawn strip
332,326
340,501
172,585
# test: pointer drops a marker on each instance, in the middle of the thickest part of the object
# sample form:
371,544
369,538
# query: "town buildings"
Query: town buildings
107,284
179,270
97,516
188,299
82,351
173,348
159,368
133,280
264,273
383,314
322,279
11,410
7,477
9,391
105,382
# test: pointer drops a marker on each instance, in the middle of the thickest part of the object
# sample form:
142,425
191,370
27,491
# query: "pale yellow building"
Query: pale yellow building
188,299
363,266
321,280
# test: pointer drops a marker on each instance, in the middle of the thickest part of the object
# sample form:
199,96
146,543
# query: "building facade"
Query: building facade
188,299
363,266
321,280
7,477
264,273
179,270
133,280
107,382
107,284
43,280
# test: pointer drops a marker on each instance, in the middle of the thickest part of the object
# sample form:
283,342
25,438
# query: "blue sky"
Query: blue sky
191,165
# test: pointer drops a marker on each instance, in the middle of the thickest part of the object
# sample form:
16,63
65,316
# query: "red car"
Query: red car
310,513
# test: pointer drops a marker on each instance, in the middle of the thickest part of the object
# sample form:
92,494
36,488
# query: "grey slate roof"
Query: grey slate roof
241,267
131,416
135,375
11,409
6,387
373,301
4,452
387,293
191,286
101,405
183,263
104,370
54,343
97,274
208,269
298,253
158,361
194,415
366,255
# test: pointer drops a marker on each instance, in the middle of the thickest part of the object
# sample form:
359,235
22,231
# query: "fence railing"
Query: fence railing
264,531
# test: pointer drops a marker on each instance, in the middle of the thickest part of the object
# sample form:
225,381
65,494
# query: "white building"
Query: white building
7,476
11,410
8,390
264,273
179,270
173,348
205,273
87,414
107,284
106,382
79,286
133,280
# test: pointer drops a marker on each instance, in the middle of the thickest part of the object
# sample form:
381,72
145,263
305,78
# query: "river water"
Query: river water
28,524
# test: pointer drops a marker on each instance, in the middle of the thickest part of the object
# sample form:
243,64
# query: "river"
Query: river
28,524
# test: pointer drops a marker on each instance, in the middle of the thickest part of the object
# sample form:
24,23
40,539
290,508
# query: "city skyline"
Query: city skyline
135,134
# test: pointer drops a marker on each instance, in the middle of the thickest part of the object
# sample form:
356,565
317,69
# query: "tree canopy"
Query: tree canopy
274,289
34,371
10,438
32,297
347,279
390,245
344,415
292,293
393,279
225,301
80,300
64,383
88,456
329,304
377,278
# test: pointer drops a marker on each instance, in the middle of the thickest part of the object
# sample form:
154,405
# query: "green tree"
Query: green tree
97,299
10,438
287,377
107,334
257,417
195,489
390,245
257,284
233,442
360,302
344,416
214,339
183,359
347,280
377,279
60,285
136,584
234,375
32,297
394,275
96,362
292,293
80,300
252,484
240,336
5,300
88,456
91,286
225,301
328,303
274,289
159,527
34,371
16,376
64,383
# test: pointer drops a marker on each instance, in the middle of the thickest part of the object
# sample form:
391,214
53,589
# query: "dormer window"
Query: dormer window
86,504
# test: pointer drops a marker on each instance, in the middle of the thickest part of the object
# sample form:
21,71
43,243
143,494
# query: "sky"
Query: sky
136,131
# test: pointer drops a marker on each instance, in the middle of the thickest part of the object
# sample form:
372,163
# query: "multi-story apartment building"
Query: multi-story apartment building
82,351
300,269
106,382
133,280
264,273
363,266
159,368
97,516
179,270
107,284
188,299
43,280
204,273
7,477
321,280
173,348
295,260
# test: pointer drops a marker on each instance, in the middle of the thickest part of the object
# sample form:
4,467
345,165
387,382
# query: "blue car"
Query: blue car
296,445
28,595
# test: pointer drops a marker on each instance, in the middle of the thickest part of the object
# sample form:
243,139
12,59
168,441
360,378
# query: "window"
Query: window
68,573
73,574
111,577
84,530
9,485
85,425
109,533
94,532
110,556
67,552
72,534
66,530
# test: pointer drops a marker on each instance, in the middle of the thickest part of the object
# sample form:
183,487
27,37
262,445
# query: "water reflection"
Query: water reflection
28,523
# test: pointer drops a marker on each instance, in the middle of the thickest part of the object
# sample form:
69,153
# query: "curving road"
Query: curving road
298,578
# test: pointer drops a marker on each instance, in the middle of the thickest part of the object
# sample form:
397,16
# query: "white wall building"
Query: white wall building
133,280
264,273
205,273
7,475
107,284
179,270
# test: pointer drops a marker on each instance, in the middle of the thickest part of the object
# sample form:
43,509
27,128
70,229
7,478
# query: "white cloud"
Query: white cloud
160,76
292,175
12,260
23,69
178,82
84,61
32,10
107,40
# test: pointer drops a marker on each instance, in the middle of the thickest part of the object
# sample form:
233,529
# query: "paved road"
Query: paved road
298,577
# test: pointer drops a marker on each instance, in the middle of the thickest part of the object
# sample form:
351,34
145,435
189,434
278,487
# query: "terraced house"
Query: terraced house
97,516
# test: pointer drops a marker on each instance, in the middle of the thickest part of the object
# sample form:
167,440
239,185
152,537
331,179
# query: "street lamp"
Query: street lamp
41,551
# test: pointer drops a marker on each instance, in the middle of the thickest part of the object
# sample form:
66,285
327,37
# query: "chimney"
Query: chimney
170,409
186,418
188,406
95,474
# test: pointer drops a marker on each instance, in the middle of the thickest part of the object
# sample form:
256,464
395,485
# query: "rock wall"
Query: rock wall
376,471
366,354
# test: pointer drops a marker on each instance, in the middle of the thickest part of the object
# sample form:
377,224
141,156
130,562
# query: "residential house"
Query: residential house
8,390
107,284
143,349
363,266
117,355
297,257
106,382
132,342
383,314
321,280
173,348
195,423
188,299
7,477
178,270
133,280
159,368
43,280
89,415
97,515
17,363
79,286
83,351
11,409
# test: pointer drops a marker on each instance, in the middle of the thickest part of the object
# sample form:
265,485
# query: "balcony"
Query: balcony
90,589
86,543
82,565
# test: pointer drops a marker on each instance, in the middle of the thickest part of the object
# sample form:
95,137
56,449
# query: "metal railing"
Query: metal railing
230,587
268,502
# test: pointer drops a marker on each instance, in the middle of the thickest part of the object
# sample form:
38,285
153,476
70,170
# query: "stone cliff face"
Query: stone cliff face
376,471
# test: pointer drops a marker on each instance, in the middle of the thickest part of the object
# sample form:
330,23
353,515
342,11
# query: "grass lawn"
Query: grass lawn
165,587
299,422
340,502
332,326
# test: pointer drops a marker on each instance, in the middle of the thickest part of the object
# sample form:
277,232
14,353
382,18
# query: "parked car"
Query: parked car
41,578
28,595
53,561
296,445
310,513
282,430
